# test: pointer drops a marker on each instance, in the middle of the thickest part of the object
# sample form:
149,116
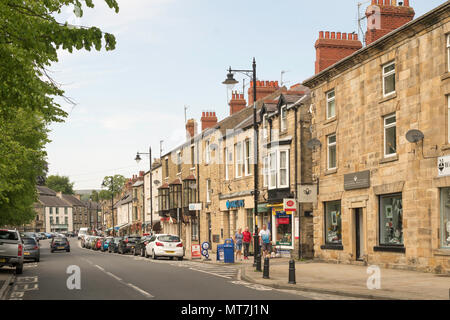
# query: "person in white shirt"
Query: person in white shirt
264,236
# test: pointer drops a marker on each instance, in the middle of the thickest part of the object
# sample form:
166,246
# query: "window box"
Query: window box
332,247
398,249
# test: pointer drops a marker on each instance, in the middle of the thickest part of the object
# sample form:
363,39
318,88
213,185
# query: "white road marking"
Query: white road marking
145,293
214,274
97,266
114,276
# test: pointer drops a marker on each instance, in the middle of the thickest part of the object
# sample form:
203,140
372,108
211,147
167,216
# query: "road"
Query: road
109,276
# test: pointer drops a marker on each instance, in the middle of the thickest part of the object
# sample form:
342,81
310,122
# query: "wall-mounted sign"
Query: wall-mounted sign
195,206
357,180
443,166
215,238
289,205
235,204
307,193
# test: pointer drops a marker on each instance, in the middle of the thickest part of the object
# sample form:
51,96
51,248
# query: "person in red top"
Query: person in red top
246,240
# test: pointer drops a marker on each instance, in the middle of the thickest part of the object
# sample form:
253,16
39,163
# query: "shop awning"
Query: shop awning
120,226
125,225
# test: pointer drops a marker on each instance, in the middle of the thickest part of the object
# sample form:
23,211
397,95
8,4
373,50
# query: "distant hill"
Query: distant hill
85,193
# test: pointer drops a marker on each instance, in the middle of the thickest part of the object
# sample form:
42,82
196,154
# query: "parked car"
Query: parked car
82,231
139,248
165,245
128,243
11,250
59,243
42,235
48,235
31,249
98,243
29,235
114,245
93,242
105,243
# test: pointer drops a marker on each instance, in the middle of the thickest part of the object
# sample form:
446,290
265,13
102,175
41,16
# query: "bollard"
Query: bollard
292,272
266,268
258,262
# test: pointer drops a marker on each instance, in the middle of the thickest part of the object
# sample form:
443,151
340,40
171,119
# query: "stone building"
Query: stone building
383,189
151,213
81,219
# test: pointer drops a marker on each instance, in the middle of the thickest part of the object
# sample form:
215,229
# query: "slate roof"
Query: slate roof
53,201
73,200
91,204
45,191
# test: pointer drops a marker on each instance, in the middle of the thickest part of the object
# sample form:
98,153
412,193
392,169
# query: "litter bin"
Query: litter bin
220,254
228,251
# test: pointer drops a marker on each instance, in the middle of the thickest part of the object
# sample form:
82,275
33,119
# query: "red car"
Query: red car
98,244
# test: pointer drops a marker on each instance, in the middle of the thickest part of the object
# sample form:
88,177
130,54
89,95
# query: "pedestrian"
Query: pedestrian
246,240
238,237
264,236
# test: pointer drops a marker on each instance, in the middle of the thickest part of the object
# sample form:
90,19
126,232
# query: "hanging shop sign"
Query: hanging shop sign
195,206
235,204
307,193
289,205
443,166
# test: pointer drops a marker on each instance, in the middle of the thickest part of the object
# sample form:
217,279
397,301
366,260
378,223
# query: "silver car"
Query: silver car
31,249
11,249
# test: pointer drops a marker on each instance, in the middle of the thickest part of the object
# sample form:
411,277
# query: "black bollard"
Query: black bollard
258,262
266,268
292,272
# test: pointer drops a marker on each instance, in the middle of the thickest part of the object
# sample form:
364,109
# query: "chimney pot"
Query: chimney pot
327,35
338,36
344,36
321,35
333,35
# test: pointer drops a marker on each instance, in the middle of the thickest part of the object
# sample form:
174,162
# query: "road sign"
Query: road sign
195,251
195,206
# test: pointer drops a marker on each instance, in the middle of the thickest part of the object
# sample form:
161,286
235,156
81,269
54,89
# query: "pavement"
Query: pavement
6,277
347,280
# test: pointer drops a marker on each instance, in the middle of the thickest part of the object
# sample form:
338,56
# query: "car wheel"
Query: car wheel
37,259
154,255
145,253
68,250
180,258
19,269
142,253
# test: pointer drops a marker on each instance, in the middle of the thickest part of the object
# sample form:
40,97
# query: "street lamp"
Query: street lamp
230,82
138,159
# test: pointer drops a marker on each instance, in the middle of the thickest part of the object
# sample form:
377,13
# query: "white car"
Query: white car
165,245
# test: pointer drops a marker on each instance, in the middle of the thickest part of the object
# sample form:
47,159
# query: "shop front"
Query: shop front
282,229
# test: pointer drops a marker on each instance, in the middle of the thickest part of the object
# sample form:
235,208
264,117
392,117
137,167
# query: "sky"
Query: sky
171,54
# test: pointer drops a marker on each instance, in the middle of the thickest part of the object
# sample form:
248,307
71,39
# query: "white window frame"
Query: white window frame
238,159
265,171
448,117
208,190
448,52
227,177
272,169
329,145
283,117
179,166
385,75
247,157
286,164
329,100
388,126
208,152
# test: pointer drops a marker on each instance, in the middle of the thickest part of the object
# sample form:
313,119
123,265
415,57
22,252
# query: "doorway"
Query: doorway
359,234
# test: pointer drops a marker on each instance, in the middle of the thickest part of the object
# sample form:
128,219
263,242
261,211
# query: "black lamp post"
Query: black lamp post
138,159
230,82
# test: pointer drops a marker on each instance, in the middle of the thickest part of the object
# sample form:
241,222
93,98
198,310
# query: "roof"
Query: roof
45,191
125,199
53,201
73,200
91,204
404,32
138,183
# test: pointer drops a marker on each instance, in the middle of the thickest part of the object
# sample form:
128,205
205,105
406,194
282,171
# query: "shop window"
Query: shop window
331,106
390,136
333,222
389,79
283,228
391,220
332,163
445,218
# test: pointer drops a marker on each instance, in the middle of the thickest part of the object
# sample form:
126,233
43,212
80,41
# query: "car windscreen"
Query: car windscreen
60,240
8,235
29,241
168,238
133,238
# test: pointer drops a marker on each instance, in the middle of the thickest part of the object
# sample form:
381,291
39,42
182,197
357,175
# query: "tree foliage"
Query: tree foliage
113,186
60,184
30,37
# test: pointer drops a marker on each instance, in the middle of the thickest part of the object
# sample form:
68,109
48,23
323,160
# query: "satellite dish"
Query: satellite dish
313,143
156,182
414,136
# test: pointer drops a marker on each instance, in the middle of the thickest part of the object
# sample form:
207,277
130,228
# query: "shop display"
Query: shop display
333,222
391,219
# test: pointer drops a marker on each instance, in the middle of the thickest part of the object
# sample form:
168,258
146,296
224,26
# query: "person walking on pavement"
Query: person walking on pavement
246,240
264,235
238,240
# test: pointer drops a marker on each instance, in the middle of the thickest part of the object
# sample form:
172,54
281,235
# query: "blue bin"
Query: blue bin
220,253
228,251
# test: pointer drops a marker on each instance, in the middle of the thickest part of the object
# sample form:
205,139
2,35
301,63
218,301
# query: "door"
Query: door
359,236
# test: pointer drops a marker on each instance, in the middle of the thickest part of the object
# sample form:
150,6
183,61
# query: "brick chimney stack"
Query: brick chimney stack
384,16
208,119
263,89
237,102
332,47
191,128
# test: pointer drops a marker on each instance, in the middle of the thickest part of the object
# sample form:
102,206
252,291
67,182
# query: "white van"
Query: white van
82,232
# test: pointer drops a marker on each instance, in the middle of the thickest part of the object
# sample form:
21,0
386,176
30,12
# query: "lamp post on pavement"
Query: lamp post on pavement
230,82
138,159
